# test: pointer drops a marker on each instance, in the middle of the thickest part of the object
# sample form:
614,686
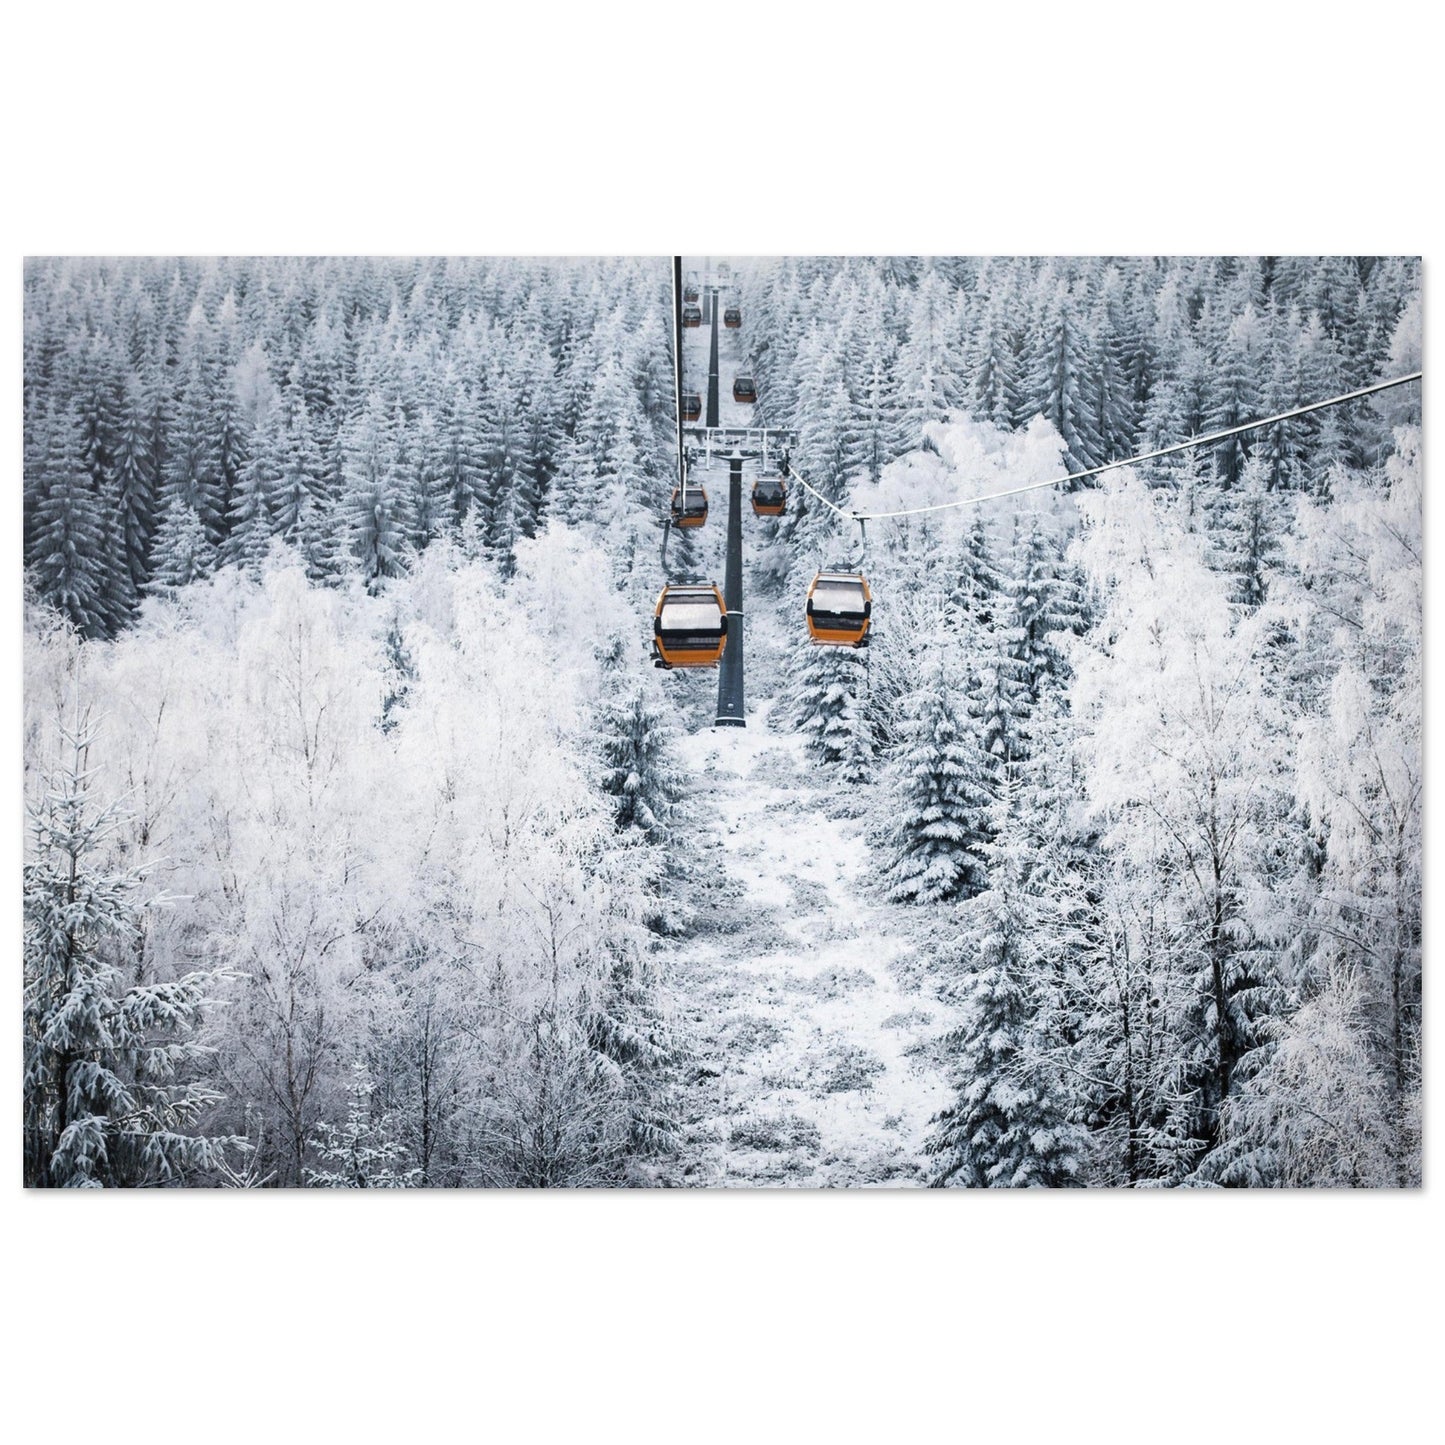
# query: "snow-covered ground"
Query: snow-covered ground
815,1046
817,1059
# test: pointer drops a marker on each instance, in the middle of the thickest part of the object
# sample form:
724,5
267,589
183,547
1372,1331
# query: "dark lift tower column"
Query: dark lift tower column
730,670
712,384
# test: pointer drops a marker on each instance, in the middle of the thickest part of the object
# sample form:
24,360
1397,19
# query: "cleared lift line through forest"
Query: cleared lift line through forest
1199,441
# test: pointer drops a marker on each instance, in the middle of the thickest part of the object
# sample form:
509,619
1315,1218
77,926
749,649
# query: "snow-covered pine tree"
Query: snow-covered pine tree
302,475
181,552
97,389
508,498
1044,605
858,760
111,1094
66,558
995,385
1112,416
136,479
1245,522
1235,393
640,771
1061,385
876,406
976,585
193,471
829,701
1281,444
940,795
249,522
930,367
119,599
1011,1124
378,499
459,426
425,462
541,427
361,1153
1000,699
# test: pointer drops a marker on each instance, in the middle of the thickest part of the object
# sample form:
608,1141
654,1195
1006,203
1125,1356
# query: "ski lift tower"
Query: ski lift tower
764,447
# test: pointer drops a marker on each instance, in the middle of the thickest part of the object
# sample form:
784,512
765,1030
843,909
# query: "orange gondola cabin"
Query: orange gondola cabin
690,626
732,317
745,389
691,406
770,496
689,506
840,609
692,316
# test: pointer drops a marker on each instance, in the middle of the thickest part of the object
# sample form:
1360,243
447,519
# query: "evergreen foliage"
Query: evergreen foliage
940,796
1148,777
112,1094
1010,1126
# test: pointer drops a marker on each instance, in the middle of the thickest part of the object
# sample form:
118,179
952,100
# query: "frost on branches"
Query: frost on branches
111,1093
356,559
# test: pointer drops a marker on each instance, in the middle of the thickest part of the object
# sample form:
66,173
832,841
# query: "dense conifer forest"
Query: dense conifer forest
364,847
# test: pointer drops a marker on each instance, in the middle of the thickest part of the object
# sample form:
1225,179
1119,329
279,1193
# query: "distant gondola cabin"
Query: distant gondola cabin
691,406
689,626
692,316
770,496
732,317
689,506
840,609
745,389
689,293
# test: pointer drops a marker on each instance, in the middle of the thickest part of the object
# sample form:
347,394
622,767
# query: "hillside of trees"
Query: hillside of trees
357,834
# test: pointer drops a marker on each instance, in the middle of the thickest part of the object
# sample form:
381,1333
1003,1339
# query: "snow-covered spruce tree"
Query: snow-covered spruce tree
181,552
640,772
875,399
378,496
361,1153
829,701
1281,445
321,539
995,382
1235,393
194,473
858,760
1061,384
65,554
976,583
136,480
1245,522
1010,1125
249,519
1000,701
110,1093
1045,606
930,368
940,796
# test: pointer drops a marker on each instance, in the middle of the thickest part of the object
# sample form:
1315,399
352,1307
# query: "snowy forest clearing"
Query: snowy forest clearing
815,1059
